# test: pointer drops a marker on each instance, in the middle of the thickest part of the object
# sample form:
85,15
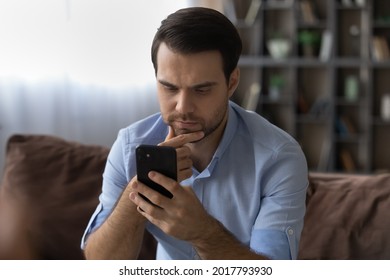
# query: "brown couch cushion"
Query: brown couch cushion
49,190
347,217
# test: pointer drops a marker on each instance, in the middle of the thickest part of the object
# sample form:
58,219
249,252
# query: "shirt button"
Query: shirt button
290,231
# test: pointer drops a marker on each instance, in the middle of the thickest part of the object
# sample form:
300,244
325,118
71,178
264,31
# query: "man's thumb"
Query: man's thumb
171,134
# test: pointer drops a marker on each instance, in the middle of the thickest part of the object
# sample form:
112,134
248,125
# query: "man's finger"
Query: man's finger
171,134
182,139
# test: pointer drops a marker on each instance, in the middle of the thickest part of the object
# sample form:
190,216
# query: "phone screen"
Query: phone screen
161,159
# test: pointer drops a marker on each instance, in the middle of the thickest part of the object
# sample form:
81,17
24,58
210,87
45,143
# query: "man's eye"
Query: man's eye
170,89
203,90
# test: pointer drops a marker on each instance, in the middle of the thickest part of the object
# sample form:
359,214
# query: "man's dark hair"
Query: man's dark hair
197,29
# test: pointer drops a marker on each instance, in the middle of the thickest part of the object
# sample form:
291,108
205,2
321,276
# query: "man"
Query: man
241,183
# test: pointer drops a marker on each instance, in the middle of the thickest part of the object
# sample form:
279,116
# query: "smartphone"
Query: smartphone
161,159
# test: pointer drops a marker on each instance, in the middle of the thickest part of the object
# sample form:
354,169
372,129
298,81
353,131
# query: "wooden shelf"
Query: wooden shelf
310,79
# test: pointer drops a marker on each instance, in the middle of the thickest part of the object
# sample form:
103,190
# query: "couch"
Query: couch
50,187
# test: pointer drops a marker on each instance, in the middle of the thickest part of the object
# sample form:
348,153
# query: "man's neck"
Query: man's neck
203,151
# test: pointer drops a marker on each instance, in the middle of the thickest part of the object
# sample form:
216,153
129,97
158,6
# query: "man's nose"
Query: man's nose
184,102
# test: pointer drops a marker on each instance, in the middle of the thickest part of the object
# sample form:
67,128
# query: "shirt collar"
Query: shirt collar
230,130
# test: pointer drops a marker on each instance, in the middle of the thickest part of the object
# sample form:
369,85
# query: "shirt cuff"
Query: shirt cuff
274,244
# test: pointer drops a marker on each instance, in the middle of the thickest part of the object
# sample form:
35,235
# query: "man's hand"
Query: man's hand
183,153
182,217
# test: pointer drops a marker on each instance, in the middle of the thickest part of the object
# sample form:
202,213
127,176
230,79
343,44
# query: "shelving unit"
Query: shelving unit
329,97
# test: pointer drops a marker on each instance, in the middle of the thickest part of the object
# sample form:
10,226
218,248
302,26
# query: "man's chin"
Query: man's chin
186,131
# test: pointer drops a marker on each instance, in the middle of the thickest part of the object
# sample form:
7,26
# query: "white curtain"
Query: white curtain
78,69
85,113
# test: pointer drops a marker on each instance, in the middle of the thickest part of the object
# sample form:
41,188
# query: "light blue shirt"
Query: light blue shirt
255,184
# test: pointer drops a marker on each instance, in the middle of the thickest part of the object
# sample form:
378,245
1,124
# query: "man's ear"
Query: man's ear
234,81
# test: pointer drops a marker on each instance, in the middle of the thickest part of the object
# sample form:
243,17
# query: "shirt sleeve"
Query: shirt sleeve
277,229
114,182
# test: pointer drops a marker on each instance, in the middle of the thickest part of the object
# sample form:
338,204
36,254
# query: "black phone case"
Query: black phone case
156,158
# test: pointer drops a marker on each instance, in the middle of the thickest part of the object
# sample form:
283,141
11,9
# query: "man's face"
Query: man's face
192,90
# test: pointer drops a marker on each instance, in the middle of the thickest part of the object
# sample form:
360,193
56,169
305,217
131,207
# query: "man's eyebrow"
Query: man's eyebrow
167,84
200,85
205,84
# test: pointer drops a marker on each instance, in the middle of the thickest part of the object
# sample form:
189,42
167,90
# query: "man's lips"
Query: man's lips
186,124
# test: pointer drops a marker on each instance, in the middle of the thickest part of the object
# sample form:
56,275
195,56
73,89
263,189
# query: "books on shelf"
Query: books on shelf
303,107
353,3
253,10
347,3
326,45
380,48
249,16
347,162
321,107
251,98
324,161
230,11
344,126
385,107
307,12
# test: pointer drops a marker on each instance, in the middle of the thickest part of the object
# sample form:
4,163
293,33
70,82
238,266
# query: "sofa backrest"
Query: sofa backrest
48,192
347,217
50,188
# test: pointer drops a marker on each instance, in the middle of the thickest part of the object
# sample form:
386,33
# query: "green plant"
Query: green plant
307,37
276,81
